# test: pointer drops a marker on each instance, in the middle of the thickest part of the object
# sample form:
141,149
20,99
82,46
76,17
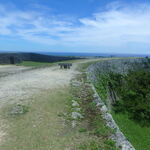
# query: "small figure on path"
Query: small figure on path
65,65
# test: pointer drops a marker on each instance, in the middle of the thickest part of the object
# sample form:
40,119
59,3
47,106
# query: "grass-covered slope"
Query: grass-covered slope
138,135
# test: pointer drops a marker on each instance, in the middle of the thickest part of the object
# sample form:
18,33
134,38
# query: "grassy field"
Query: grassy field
34,64
137,135
42,128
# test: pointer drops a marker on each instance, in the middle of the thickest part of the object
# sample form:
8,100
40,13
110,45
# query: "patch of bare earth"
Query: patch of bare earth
22,85
6,70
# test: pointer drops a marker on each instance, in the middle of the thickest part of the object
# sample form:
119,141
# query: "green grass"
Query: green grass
137,135
34,64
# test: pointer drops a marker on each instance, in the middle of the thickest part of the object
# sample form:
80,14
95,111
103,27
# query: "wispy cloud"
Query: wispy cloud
116,26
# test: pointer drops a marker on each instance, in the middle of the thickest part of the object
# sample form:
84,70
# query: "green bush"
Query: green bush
136,96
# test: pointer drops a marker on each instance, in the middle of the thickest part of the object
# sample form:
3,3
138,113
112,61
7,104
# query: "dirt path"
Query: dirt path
22,85
6,70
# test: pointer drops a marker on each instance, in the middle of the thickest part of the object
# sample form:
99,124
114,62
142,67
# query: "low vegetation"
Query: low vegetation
92,122
34,64
134,98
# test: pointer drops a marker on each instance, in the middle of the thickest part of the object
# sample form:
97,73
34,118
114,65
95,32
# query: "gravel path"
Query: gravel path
6,70
20,85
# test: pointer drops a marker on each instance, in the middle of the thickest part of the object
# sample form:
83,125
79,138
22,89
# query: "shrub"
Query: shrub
136,96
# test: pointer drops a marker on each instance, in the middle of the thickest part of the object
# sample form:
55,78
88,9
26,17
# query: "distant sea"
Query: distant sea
83,54
93,54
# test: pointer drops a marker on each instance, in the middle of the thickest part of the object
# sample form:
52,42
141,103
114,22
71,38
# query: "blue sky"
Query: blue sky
98,26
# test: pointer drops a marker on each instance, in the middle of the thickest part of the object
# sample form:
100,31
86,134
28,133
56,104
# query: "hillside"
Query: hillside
13,58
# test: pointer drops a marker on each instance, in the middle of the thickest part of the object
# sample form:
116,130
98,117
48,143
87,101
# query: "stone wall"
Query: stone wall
118,136
121,141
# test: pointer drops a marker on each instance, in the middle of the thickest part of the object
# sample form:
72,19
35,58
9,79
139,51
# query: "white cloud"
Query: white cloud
117,26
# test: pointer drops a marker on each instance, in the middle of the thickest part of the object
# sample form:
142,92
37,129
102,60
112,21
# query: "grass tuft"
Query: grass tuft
19,109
